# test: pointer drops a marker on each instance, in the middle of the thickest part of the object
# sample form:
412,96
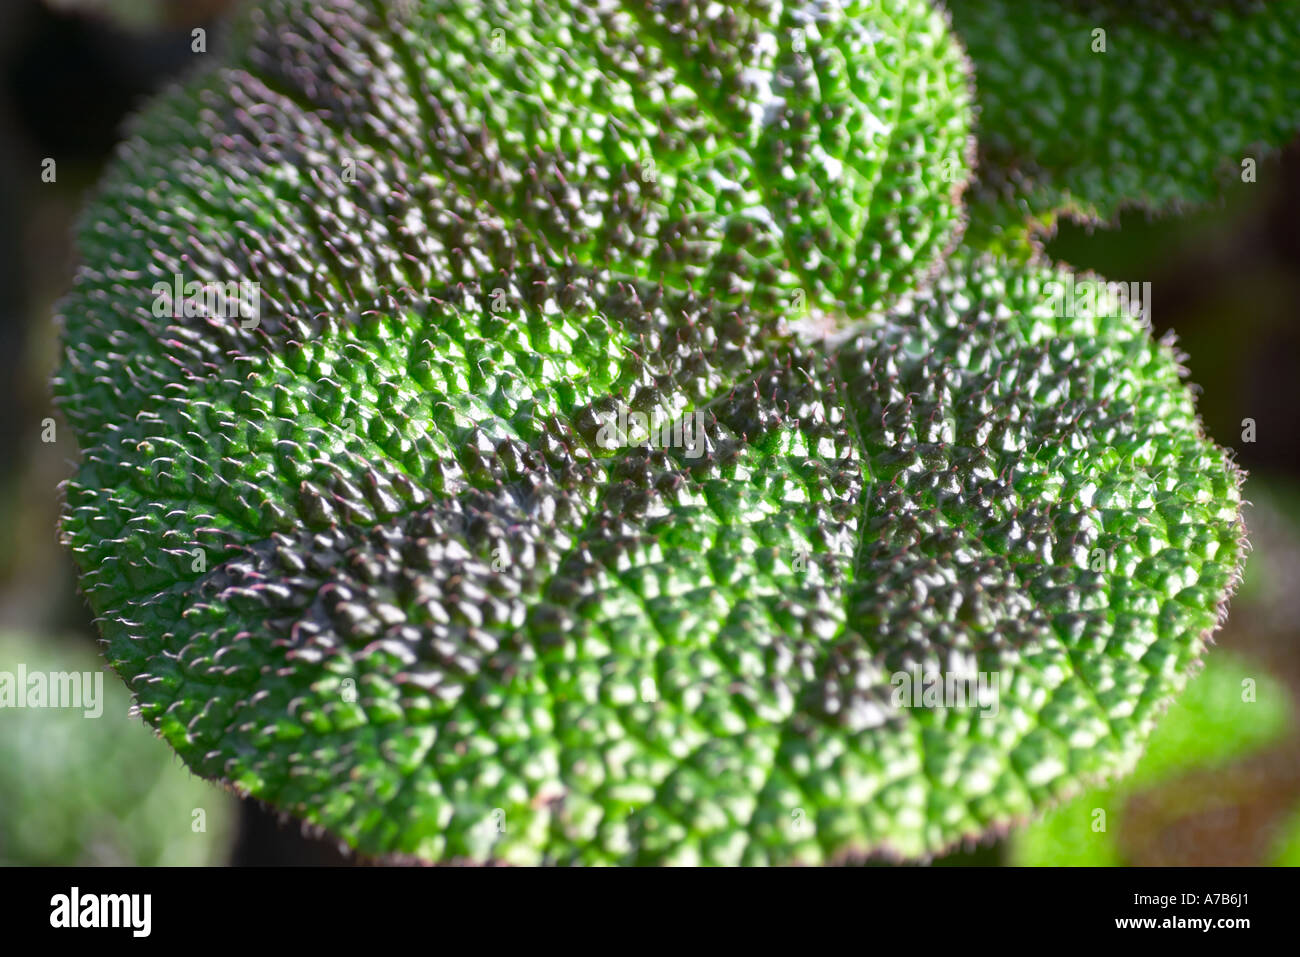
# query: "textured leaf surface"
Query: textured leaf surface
1186,90
684,144
634,654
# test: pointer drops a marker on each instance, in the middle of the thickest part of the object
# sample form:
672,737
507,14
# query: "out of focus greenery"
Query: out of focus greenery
97,790
1288,847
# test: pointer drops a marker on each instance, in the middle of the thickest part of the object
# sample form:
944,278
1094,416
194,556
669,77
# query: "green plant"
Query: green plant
394,553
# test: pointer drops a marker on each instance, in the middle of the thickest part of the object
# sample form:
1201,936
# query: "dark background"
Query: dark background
1226,280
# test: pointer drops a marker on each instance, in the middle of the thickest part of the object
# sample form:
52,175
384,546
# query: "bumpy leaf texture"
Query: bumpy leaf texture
377,561
1155,110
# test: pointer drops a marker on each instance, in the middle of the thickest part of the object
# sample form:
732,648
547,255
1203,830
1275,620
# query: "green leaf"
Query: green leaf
650,672
1185,92
401,560
804,158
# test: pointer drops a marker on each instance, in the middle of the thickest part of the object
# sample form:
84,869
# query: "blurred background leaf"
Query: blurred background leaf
79,790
